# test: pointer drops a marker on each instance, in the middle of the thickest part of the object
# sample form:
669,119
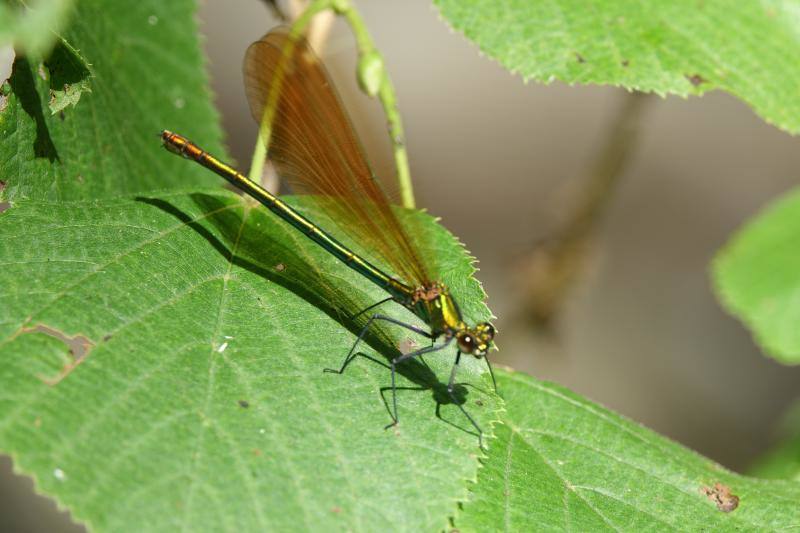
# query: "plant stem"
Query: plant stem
557,261
297,29
373,79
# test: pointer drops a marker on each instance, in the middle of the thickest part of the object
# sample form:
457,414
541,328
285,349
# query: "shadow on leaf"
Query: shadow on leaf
24,88
259,253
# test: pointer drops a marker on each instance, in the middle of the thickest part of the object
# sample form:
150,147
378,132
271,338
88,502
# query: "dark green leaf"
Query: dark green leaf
202,402
147,76
561,463
747,48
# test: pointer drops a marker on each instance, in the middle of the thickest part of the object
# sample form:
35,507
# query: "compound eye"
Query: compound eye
466,343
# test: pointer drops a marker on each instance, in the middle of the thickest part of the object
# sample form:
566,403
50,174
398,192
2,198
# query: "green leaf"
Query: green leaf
561,463
783,460
682,47
33,26
757,277
147,76
202,402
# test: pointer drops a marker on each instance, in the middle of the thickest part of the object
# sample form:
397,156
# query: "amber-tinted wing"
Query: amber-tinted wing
314,147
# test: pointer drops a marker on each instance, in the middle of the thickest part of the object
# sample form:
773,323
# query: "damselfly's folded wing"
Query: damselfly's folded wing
315,148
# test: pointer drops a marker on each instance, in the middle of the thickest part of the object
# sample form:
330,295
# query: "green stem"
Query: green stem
265,129
373,79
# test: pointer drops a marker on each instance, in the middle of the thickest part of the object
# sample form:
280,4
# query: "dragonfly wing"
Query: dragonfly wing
315,148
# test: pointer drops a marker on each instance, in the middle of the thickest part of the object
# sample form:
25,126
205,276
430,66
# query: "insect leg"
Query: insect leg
376,304
491,373
450,390
400,359
363,332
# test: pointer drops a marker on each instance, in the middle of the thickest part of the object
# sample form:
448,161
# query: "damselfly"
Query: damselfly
314,147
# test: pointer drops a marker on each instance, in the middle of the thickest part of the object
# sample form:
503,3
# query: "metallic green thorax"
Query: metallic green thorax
437,308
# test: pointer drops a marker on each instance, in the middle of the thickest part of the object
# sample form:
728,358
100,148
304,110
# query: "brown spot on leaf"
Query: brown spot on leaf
579,58
336,510
696,79
244,404
407,345
625,63
280,267
722,497
78,346
2,185
256,452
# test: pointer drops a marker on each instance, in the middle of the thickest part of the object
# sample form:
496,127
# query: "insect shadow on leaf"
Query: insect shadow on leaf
258,252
